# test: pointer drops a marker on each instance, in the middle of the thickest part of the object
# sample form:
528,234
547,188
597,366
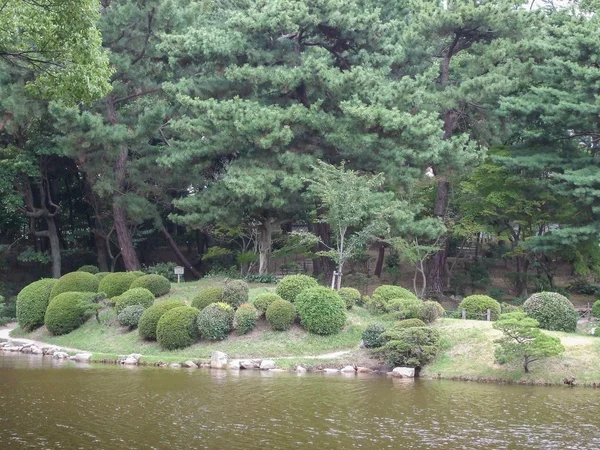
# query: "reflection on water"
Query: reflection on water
52,404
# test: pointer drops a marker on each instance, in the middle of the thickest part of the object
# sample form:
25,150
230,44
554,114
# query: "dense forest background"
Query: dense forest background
482,118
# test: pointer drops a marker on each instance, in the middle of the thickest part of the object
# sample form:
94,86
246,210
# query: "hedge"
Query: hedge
32,302
553,311
136,296
130,316
177,328
371,337
157,284
281,315
379,301
150,318
431,311
75,282
207,296
350,296
235,293
101,275
262,301
321,310
115,284
412,347
67,311
596,309
291,285
89,268
244,318
215,321
408,323
476,307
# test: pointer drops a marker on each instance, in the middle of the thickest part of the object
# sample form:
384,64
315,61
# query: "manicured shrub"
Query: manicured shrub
431,311
215,321
321,310
350,296
262,301
32,302
150,317
75,282
506,308
207,296
476,307
100,276
67,311
553,311
413,347
378,302
281,315
291,285
157,284
244,318
130,316
235,293
135,296
405,308
137,273
408,323
89,269
167,270
371,337
177,328
596,309
115,284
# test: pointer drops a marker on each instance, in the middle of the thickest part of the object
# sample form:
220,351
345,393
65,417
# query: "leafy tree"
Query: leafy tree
523,340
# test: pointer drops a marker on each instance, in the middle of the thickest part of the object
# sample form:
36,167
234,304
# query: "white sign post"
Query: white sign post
179,271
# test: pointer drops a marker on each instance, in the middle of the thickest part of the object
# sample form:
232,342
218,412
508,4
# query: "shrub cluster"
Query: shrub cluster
150,317
291,285
100,276
383,295
157,284
405,308
431,311
506,308
321,310
89,268
244,318
75,282
67,311
207,296
596,309
177,328
553,311
262,301
167,270
114,284
407,323
235,293
32,302
413,347
371,337
476,307
215,321
130,316
281,315
136,296
350,296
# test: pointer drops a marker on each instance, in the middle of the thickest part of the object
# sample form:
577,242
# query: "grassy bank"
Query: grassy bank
468,354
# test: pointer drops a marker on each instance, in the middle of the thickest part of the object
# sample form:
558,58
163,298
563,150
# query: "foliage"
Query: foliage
215,321
89,268
150,317
262,301
281,315
177,328
523,340
75,282
378,302
101,275
509,308
32,302
553,311
405,308
244,318
157,284
413,347
581,286
371,337
134,296
166,269
235,293
407,323
476,307
130,316
207,296
596,309
67,311
264,278
431,311
350,296
291,285
321,310
115,284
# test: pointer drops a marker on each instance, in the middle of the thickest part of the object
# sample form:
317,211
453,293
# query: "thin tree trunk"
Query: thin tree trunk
264,245
380,260
182,259
322,265
436,265
54,247
101,252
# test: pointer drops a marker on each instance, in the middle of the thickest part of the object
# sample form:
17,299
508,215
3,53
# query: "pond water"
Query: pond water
50,404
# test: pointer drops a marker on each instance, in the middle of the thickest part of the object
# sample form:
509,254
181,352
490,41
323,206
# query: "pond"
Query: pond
51,404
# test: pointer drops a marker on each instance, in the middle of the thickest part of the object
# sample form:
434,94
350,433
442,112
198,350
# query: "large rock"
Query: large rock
36,350
348,369
404,372
234,364
218,360
189,365
13,348
300,369
129,361
50,350
364,370
250,364
82,357
26,350
267,364
331,370
60,355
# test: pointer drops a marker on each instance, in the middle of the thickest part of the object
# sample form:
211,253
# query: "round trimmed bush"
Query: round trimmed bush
115,284
476,307
405,308
75,282
130,316
215,321
321,310
150,318
207,296
244,318
262,301
408,323
384,294
235,293
281,315
66,312
291,285
89,268
100,276
177,328
157,284
596,309
350,296
135,296
32,302
553,311
371,337
138,273
431,311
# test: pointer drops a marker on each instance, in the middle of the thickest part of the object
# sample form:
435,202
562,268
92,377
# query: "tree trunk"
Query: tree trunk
54,247
322,265
101,252
380,260
526,364
436,265
264,245
182,259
